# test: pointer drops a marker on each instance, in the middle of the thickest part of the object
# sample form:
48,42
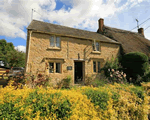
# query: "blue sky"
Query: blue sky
15,16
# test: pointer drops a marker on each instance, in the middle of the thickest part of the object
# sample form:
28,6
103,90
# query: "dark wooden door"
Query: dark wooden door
78,72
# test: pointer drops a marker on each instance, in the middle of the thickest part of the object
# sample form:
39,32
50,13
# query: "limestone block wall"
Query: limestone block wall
71,49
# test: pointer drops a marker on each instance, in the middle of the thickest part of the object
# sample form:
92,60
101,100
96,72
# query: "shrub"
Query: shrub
110,102
64,83
42,104
113,71
36,104
138,91
98,97
111,64
119,101
134,64
39,80
88,80
146,77
116,76
67,82
102,81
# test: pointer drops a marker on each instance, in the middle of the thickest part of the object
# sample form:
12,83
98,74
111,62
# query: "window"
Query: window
96,46
57,67
58,42
54,67
51,67
96,66
55,41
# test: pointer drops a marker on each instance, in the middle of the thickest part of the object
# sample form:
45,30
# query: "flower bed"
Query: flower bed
110,102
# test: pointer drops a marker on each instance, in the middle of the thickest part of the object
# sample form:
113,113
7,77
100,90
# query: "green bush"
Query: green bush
102,81
98,97
146,77
115,97
64,83
111,64
9,111
138,91
113,71
134,64
37,102
67,82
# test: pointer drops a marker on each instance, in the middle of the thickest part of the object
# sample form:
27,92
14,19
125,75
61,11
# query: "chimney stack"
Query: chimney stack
101,24
141,31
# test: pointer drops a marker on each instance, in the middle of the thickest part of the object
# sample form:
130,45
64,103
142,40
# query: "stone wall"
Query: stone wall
71,48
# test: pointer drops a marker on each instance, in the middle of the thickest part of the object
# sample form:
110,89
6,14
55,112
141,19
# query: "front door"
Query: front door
78,72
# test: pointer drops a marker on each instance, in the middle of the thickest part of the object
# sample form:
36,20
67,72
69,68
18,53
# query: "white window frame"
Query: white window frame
55,41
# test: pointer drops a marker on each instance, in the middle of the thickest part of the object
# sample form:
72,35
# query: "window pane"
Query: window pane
97,46
99,67
94,66
52,41
57,41
51,67
57,67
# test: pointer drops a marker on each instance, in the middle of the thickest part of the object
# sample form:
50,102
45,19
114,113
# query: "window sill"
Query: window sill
53,48
96,52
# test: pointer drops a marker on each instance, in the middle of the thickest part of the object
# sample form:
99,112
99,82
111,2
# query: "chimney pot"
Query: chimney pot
141,31
101,25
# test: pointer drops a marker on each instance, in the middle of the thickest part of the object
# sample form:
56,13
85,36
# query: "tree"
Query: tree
10,56
134,64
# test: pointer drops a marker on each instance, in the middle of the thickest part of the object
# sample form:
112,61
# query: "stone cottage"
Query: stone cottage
59,51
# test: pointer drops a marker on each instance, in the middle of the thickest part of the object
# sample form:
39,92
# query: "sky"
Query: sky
16,15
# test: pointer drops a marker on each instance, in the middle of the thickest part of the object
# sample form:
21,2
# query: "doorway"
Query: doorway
78,76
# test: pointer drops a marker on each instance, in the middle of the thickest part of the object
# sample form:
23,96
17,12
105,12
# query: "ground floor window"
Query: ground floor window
96,66
57,67
54,67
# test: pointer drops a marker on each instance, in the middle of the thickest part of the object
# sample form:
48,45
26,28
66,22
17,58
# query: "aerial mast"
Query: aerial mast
137,23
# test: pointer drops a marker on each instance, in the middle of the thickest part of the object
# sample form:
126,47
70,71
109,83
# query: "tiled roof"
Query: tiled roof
130,41
68,31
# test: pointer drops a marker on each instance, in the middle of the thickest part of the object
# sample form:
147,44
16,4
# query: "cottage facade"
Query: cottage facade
60,51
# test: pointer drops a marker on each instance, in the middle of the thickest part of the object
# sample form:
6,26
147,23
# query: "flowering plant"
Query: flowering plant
117,76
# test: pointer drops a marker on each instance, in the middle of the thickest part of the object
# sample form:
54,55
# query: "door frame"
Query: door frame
83,70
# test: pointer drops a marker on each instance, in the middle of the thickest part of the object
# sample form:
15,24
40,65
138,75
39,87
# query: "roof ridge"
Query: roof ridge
63,26
119,30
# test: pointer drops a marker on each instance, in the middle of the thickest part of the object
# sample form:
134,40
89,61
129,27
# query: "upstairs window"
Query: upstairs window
96,46
55,41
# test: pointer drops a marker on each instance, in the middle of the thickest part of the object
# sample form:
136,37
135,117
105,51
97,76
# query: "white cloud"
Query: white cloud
16,14
21,48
